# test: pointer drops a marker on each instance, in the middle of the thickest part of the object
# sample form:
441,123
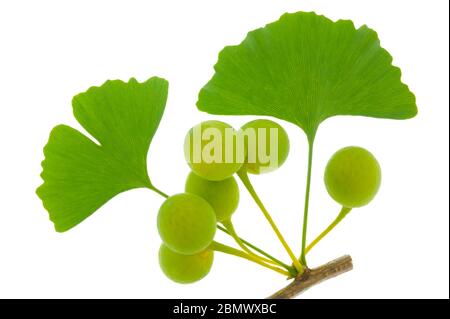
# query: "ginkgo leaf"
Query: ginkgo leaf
80,174
305,68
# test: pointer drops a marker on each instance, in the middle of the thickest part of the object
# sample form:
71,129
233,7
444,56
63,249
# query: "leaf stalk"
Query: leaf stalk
306,207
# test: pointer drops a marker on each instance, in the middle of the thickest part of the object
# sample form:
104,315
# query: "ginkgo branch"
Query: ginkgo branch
312,277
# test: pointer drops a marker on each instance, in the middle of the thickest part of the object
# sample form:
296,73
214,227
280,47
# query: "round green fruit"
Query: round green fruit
352,176
185,269
264,152
186,223
211,152
222,195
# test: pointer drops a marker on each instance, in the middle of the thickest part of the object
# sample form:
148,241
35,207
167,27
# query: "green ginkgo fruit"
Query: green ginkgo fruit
211,150
267,146
186,223
185,269
222,195
352,176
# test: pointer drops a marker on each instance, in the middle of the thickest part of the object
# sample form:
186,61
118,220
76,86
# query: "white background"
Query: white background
51,50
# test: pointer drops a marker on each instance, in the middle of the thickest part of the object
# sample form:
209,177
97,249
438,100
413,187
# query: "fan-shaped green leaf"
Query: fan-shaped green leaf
305,68
79,174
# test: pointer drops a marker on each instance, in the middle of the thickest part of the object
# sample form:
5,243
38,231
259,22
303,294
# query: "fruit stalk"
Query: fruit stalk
262,252
231,230
246,181
342,214
239,253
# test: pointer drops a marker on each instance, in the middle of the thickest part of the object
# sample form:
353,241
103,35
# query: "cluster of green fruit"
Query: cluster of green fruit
187,222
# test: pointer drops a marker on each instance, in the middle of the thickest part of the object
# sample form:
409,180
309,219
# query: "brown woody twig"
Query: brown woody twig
314,276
